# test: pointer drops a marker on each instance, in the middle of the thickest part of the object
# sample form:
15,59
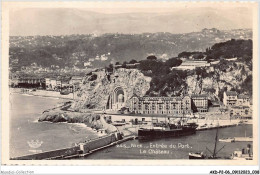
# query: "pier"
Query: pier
81,154
81,150
243,139
215,127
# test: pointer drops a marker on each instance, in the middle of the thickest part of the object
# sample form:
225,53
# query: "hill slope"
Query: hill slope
98,51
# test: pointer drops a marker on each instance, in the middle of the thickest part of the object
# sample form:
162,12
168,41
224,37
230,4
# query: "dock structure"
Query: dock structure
81,150
215,127
243,139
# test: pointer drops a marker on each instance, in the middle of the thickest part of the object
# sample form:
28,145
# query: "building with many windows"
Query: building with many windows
75,80
161,105
192,64
199,102
241,112
28,82
243,100
230,98
239,104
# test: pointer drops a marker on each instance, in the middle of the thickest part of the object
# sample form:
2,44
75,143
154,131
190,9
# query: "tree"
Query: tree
201,72
173,62
117,63
133,61
208,58
198,56
151,57
111,66
247,84
184,54
124,64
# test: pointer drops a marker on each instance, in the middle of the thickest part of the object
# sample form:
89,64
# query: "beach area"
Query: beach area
41,93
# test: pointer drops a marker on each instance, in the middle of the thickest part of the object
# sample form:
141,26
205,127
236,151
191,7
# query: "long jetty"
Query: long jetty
214,127
81,150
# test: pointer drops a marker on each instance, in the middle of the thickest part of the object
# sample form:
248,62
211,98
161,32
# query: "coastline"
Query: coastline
77,119
41,93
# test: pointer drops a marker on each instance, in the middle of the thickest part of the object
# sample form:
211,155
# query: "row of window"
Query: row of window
246,112
160,107
162,112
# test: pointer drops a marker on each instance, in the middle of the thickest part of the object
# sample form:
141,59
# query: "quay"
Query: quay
243,139
133,123
215,127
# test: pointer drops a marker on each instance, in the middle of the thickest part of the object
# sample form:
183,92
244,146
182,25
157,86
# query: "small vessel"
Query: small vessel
118,123
197,155
203,127
64,92
161,130
227,139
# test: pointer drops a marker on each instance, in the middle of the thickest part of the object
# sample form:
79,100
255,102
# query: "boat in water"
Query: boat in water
162,130
197,155
119,123
227,140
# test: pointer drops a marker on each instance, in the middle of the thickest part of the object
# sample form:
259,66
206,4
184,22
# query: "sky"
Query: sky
67,21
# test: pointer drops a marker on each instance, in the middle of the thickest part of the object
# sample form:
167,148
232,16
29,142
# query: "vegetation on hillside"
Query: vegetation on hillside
169,82
230,49
75,50
240,49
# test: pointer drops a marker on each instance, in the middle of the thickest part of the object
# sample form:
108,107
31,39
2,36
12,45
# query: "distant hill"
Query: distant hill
67,21
98,51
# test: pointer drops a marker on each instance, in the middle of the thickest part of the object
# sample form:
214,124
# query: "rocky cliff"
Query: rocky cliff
97,86
214,80
91,120
218,79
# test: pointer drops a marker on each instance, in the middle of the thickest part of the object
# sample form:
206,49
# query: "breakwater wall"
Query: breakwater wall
50,154
82,148
93,144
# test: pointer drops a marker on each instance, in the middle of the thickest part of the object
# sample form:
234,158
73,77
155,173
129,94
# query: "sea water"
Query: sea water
178,148
24,126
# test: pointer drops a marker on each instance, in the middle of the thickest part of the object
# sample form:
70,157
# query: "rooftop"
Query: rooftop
240,107
231,93
160,98
134,95
199,95
242,96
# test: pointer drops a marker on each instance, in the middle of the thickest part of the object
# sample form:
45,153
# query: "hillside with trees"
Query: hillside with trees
98,51
214,80
234,48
